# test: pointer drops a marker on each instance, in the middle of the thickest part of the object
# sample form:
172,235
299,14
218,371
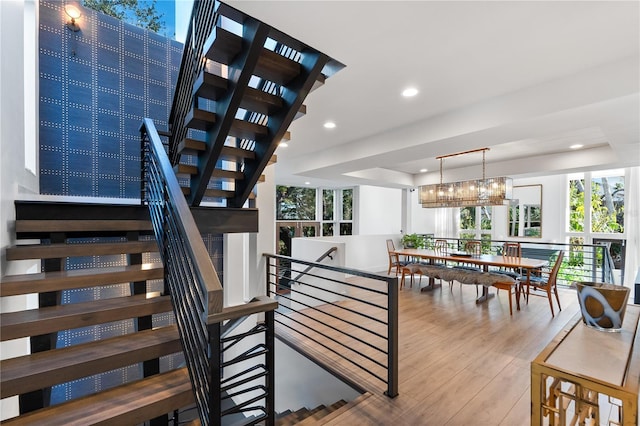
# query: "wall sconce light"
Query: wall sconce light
73,13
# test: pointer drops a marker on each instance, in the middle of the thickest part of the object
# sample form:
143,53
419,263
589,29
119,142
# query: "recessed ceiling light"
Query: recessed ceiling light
307,183
576,146
329,125
283,144
409,92
423,170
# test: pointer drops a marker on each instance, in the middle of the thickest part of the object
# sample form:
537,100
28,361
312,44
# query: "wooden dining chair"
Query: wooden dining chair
394,259
546,286
513,252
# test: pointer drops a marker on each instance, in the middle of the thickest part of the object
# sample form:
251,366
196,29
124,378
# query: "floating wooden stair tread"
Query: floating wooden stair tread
133,403
44,369
191,146
227,174
203,120
222,46
12,285
230,153
53,251
185,169
34,322
82,225
212,86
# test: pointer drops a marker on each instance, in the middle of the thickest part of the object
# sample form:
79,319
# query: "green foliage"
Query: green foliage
347,204
295,203
142,13
467,218
412,241
607,206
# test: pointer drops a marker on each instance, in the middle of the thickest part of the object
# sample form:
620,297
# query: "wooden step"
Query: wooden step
49,368
131,404
222,46
12,285
34,322
216,193
200,119
212,86
54,251
185,169
227,174
189,146
230,153
39,226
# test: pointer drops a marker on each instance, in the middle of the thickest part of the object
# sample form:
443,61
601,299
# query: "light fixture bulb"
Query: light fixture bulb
329,125
73,13
409,92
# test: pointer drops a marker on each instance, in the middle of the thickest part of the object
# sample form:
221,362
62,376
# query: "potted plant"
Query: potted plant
412,241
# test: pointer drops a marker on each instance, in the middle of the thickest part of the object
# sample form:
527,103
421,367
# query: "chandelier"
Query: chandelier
479,192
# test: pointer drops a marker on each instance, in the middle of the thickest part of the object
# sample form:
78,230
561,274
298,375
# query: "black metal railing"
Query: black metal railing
353,319
204,17
245,363
322,257
582,262
190,277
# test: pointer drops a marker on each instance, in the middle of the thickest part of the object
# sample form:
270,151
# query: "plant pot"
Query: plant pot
602,305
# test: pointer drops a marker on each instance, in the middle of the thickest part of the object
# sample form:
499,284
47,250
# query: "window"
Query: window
576,205
326,211
607,204
605,211
475,221
295,203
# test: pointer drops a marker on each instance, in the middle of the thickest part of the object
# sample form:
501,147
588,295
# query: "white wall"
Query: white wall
379,210
363,252
18,117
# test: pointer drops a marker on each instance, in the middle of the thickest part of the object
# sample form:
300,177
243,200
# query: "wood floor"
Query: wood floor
459,363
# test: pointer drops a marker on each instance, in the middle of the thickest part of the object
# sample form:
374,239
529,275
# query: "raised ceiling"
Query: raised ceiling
526,79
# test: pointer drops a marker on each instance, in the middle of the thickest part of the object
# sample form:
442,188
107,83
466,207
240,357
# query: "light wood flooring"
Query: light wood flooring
460,363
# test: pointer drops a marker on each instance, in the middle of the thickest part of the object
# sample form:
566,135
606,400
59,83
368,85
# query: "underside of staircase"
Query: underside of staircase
241,85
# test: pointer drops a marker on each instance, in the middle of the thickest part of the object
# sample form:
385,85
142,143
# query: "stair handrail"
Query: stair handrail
190,276
322,257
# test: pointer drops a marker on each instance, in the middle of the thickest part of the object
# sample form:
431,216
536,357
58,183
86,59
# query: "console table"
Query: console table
588,377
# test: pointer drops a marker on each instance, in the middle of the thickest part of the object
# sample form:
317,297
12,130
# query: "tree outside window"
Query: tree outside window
295,203
607,204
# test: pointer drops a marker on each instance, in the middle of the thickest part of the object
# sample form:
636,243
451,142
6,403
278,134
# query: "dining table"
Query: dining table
483,261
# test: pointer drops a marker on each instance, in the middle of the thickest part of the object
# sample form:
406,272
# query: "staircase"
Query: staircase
308,416
115,235
101,264
232,109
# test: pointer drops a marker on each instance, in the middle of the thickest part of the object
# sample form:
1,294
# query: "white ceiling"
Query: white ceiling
526,79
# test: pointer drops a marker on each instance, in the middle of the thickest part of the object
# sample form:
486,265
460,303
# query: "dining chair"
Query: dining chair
546,286
474,248
441,246
513,252
394,258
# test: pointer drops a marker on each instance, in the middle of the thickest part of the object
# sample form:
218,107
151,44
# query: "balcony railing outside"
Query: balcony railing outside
582,262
